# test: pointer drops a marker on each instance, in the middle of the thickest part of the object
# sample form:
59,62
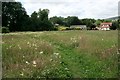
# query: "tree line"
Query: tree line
15,18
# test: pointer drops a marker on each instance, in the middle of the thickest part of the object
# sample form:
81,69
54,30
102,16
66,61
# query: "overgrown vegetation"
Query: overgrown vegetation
66,54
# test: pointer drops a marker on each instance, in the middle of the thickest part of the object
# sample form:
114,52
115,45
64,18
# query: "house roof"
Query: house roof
106,23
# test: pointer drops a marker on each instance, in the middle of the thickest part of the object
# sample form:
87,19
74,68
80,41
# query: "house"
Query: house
78,26
105,26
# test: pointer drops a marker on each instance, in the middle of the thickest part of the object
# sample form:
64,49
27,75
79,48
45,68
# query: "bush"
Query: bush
68,29
62,28
55,29
5,30
76,28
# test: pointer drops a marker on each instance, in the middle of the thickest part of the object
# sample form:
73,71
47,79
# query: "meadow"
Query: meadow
60,54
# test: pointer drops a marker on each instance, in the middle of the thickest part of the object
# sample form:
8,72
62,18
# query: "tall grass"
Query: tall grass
76,54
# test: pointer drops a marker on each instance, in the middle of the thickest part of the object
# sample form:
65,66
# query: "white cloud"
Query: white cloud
81,8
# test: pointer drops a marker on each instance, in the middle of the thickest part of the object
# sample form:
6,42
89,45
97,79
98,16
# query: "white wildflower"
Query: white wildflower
10,46
118,52
51,59
34,62
41,52
19,47
34,65
102,39
28,43
23,69
27,62
59,56
33,44
66,68
23,56
22,74
56,54
35,48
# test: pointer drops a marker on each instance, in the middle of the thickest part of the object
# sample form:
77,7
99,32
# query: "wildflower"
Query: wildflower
102,39
59,56
27,62
19,47
22,74
34,65
41,52
33,44
56,54
66,68
23,69
10,46
118,52
51,59
35,48
28,42
23,56
34,62
87,70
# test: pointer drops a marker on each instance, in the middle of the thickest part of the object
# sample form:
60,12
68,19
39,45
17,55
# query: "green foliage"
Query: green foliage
73,20
98,22
107,20
40,22
57,20
14,16
114,25
5,30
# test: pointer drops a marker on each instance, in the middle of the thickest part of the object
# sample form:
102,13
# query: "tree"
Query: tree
44,22
98,22
57,20
114,25
14,16
73,20
43,14
107,20
34,26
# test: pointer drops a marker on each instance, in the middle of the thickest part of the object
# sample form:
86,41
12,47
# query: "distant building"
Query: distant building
78,26
105,26
56,25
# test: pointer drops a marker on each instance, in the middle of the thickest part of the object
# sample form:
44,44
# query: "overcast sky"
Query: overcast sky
81,8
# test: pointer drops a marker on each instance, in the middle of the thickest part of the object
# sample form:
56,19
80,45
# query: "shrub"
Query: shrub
76,28
62,28
55,29
5,30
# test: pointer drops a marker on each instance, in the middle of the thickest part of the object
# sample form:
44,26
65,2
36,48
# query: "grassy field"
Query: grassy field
76,54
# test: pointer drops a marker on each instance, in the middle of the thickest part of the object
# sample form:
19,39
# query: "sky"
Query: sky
97,9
